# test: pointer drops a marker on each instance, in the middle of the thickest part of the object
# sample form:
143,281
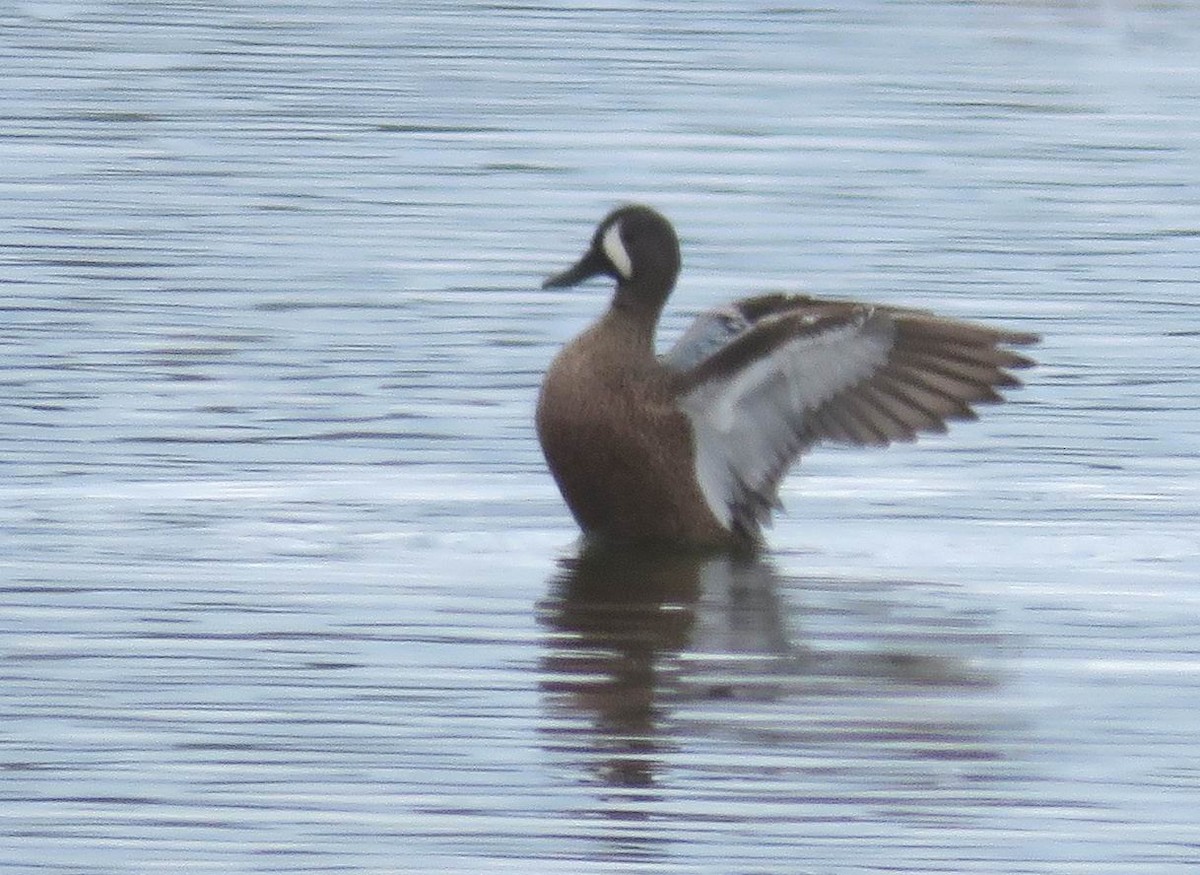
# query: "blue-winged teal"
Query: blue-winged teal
689,448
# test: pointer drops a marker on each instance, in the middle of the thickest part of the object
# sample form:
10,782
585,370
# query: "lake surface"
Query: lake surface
285,586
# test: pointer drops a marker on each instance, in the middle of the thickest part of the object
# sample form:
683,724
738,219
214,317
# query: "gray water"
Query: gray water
286,587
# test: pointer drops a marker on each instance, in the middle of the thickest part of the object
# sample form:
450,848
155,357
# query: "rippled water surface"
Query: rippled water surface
286,587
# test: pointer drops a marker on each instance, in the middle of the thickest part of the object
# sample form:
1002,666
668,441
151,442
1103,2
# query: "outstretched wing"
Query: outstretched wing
765,378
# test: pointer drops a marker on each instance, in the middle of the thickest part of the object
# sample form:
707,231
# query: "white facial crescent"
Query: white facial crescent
615,250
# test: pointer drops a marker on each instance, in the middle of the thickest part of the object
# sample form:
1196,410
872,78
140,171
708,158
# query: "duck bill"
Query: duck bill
587,267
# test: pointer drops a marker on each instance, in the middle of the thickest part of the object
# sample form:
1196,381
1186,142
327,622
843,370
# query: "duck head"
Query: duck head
635,246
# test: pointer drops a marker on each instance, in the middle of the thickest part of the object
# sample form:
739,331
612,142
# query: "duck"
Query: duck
688,449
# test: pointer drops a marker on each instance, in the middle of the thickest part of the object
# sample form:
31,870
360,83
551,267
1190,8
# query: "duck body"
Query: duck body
688,449
618,444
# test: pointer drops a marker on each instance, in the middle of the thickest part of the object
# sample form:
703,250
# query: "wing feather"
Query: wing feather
927,411
765,378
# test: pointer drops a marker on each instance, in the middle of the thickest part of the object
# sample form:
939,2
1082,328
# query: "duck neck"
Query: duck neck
634,312
634,322
641,305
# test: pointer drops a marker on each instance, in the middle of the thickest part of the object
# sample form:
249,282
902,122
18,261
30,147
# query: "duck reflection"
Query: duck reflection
637,636
615,615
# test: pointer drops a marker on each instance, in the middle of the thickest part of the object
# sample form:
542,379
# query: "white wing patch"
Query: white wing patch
614,248
706,335
714,475
746,424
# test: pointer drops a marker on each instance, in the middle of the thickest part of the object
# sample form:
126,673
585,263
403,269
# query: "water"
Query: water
286,587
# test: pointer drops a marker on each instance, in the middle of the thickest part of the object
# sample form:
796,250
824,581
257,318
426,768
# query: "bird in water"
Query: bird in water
689,448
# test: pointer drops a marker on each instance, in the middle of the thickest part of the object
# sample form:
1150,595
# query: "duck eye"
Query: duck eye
614,248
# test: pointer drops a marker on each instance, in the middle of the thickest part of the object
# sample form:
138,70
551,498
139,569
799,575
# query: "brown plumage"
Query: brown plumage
690,448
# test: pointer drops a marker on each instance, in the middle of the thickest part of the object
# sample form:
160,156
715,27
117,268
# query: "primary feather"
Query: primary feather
766,378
